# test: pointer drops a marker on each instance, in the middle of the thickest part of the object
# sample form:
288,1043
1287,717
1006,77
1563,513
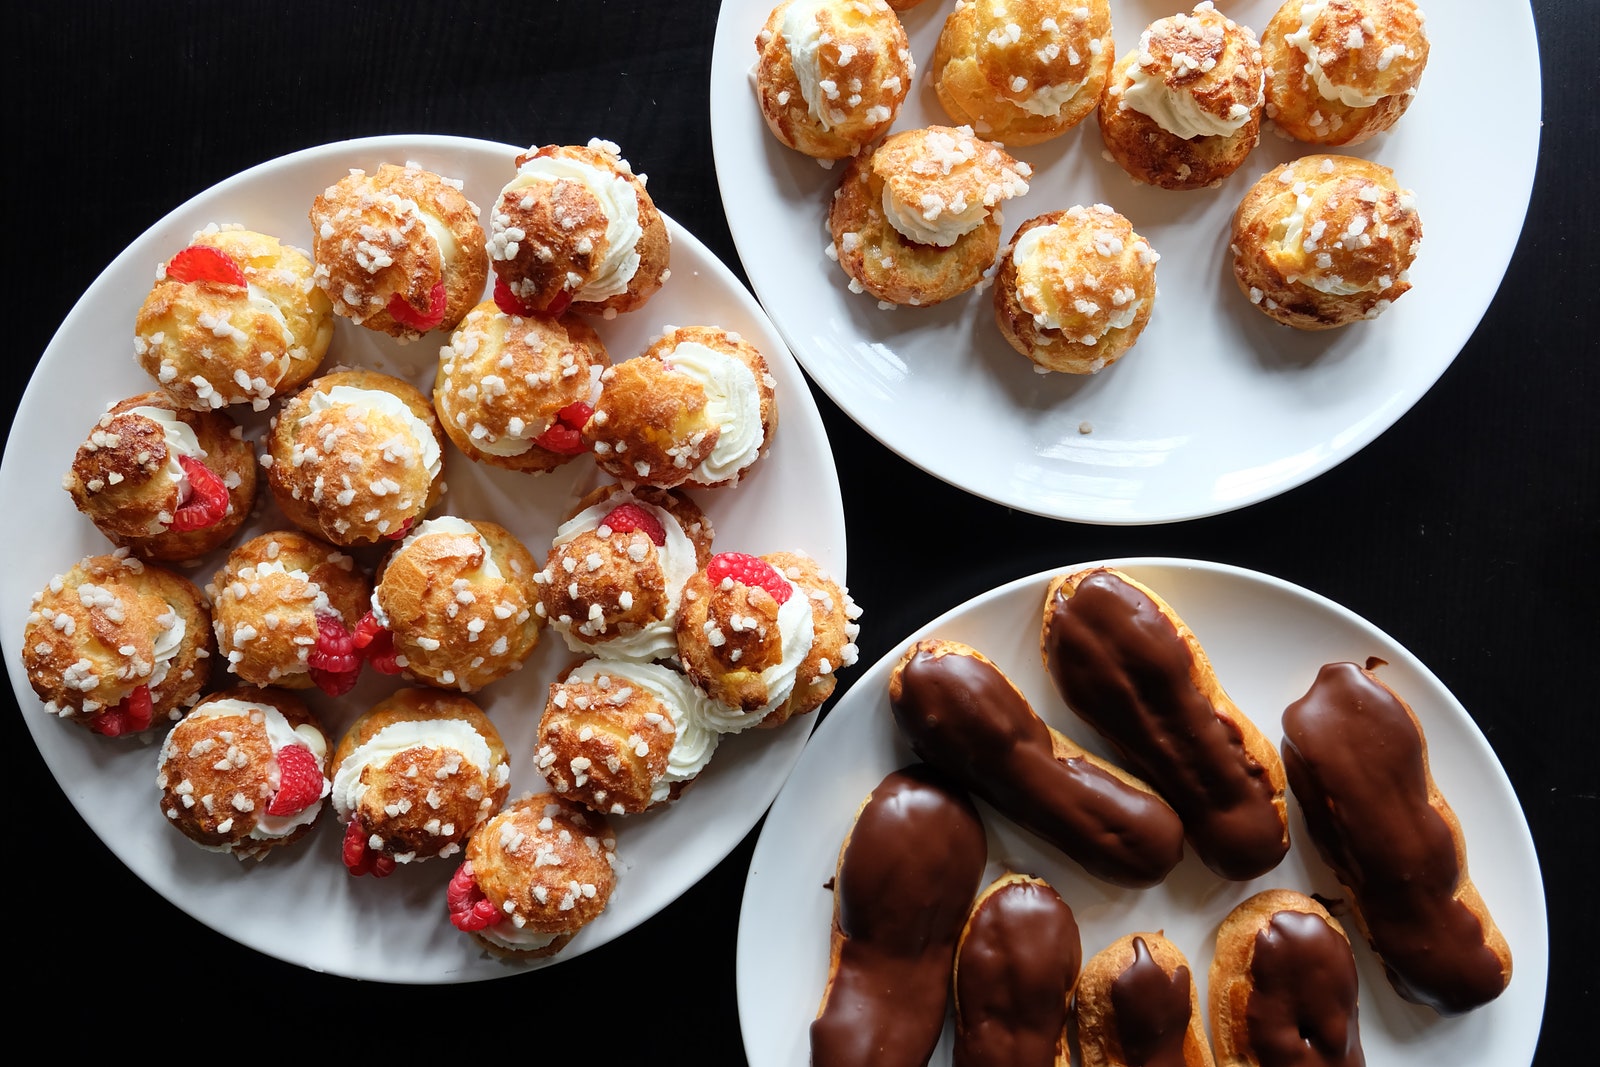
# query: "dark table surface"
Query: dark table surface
1468,531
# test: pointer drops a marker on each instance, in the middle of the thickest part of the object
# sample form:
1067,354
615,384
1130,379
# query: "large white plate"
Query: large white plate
1216,407
1266,639
300,905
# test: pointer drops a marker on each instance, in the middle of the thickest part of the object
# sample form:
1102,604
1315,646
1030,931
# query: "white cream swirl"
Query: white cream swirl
803,34
796,632
444,734
508,935
383,403
733,402
167,644
1176,110
1301,40
279,735
180,441
694,740
621,207
1048,100
935,221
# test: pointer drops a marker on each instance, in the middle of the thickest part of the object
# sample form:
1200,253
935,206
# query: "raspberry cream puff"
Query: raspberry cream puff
1324,241
918,221
399,251
453,606
697,408
614,578
1340,71
1075,289
834,632
164,481
234,318
283,606
515,392
575,228
245,772
414,777
832,74
620,736
535,874
355,457
1023,71
117,645
1184,108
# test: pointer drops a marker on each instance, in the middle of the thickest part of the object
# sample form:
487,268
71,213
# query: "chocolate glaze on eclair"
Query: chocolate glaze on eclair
1302,1006
1152,1010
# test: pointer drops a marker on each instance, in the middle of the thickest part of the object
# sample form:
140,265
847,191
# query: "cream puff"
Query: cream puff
834,630
1324,241
1183,109
245,772
515,392
453,606
117,645
283,605
918,221
535,874
164,481
1075,289
1340,71
575,228
613,580
414,777
620,736
1023,71
399,251
234,318
832,74
696,408
355,457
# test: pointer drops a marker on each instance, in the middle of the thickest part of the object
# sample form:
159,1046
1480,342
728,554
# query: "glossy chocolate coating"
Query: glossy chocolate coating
1357,764
961,714
1301,1011
1016,968
1152,1011
912,864
1121,665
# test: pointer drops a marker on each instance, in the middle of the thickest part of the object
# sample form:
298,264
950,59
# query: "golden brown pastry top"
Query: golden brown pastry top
1083,272
1355,51
941,182
1197,74
546,863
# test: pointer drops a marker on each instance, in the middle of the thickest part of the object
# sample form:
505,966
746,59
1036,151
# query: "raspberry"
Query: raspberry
299,781
411,318
507,301
748,570
564,437
207,503
203,263
333,663
469,908
405,528
629,517
132,713
376,644
358,858
559,303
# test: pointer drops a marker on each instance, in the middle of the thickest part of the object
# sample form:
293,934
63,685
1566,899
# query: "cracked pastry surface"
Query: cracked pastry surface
210,342
117,645
509,389
1324,241
1340,71
399,251
1075,289
831,74
1183,109
575,227
355,457
918,221
1023,71
131,477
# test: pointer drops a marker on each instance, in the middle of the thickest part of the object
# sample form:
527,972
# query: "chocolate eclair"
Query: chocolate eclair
1137,1006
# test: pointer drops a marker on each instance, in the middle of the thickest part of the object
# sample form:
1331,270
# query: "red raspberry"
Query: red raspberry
132,713
358,858
207,503
405,528
299,781
629,517
507,301
333,663
376,644
203,263
559,303
564,437
748,570
411,318
469,908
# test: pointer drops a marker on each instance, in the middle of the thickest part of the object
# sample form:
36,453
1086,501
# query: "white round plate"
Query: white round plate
1217,406
299,904
1266,639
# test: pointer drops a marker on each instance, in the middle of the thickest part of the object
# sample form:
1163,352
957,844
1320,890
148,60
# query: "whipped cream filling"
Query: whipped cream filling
733,402
621,207
442,235
260,301
180,441
1300,40
695,739
935,221
279,734
803,34
796,630
1048,100
384,404
487,570
166,645
447,734
1176,110
508,935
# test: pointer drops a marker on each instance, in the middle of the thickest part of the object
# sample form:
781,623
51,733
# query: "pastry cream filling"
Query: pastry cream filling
181,441
279,734
442,235
935,221
803,34
621,207
1310,11
383,404
1176,110
733,402
446,734
657,639
1037,268
1048,100
260,301
796,633
695,740
167,643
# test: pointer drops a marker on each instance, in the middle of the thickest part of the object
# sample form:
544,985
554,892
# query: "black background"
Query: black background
1468,531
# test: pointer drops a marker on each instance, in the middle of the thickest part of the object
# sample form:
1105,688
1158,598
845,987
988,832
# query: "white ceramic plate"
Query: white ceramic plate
1216,407
299,904
1266,639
